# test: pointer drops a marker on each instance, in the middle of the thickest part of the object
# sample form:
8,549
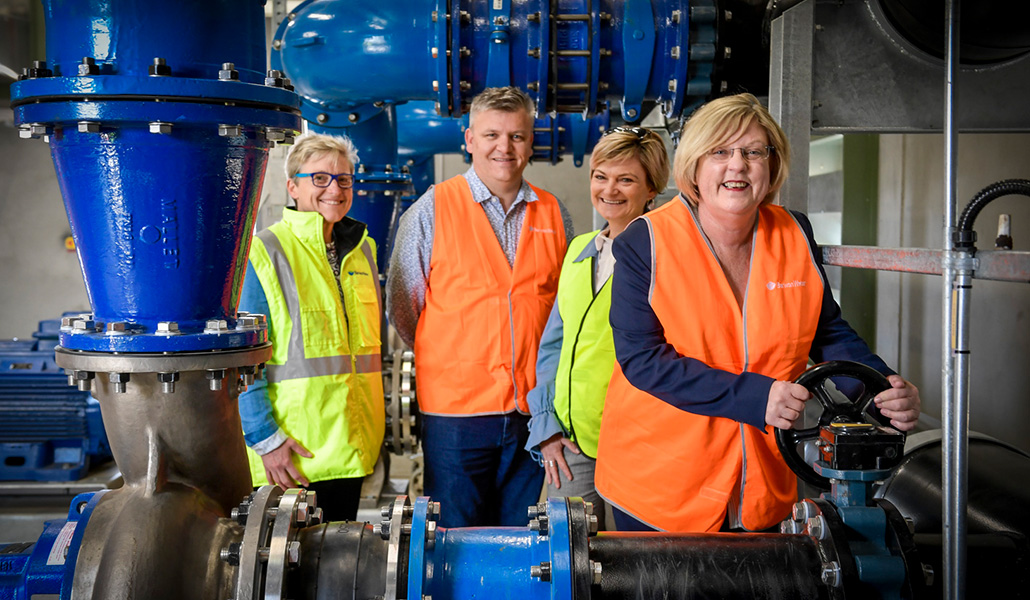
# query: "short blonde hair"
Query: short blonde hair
317,145
715,124
505,99
646,146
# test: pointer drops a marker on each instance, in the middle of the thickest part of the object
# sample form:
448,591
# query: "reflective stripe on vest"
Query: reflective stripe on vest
297,365
676,470
587,352
477,337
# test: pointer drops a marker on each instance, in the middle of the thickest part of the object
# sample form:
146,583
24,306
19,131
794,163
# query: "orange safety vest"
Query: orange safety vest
477,337
676,470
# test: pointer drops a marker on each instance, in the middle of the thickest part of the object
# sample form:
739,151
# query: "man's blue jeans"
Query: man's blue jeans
479,470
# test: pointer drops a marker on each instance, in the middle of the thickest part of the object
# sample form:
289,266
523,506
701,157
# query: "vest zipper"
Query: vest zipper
343,305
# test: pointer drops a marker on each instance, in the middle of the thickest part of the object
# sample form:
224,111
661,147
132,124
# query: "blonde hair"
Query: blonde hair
505,99
317,145
715,124
624,143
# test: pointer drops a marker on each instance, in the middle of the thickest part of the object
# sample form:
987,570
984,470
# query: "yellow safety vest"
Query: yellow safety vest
325,375
587,351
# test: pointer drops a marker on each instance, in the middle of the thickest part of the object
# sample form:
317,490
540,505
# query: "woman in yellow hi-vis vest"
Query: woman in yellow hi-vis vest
628,168
316,419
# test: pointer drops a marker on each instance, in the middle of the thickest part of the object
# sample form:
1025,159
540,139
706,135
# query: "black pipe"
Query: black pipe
340,560
964,237
715,565
998,490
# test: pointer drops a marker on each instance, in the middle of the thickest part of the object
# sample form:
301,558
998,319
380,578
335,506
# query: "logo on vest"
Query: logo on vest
352,273
775,285
538,230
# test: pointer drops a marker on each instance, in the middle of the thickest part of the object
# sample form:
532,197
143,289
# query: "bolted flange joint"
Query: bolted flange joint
88,67
168,381
84,379
541,571
118,381
274,78
231,554
539,524
160,68
228,72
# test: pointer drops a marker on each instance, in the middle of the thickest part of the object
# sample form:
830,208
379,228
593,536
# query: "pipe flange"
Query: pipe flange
401,405
584,570
900,542
396,527
283,547
256,535
104,362
423,536
825,526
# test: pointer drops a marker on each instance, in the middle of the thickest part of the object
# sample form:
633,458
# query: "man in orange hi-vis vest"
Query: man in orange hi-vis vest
472,280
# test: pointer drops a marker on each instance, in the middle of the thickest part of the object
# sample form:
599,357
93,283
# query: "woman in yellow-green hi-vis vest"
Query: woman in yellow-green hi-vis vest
316,418
628,167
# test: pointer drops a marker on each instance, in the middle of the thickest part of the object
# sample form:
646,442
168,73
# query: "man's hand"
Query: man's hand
279,467
786,403
900,404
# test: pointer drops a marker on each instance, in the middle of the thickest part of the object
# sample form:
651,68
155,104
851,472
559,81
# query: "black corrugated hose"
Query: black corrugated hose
964,237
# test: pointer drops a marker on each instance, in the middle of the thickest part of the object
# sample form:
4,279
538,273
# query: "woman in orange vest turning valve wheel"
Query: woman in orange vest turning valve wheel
719,301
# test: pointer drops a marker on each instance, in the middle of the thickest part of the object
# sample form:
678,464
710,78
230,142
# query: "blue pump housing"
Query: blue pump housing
46,568
48,430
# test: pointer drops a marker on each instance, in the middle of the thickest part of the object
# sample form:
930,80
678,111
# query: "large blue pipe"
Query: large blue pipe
160,141
572,56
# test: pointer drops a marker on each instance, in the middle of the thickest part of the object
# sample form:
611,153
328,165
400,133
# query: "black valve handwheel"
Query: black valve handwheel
859,410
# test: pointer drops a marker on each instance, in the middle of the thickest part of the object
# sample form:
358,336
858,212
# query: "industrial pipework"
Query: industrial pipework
355,64
159,123
845,544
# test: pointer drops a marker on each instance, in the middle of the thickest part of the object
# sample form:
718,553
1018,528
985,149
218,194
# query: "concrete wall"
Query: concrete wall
909,306
39,277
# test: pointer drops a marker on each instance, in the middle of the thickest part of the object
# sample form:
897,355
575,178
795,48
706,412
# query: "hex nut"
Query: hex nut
817,527
228,72
830,574
274,78
159,68
168,328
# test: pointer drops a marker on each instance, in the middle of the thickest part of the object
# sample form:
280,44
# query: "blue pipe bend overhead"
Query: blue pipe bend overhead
570,56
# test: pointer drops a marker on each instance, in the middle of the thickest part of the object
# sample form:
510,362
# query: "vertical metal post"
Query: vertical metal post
955,352
278,13
790,94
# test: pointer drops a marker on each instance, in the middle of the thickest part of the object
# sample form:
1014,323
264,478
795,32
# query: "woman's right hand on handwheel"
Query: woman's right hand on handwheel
554,458
786,403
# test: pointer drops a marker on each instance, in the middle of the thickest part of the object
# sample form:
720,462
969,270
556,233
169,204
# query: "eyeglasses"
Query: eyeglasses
324,180
721,155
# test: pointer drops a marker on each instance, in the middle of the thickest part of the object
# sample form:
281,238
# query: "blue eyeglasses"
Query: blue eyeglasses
324,180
